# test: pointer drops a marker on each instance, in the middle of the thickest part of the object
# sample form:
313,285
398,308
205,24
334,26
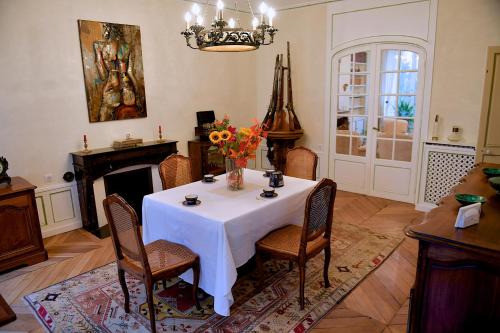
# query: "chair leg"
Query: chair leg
151,307
196,280
123,284
302,272
260,269
328,253
164,282
290,265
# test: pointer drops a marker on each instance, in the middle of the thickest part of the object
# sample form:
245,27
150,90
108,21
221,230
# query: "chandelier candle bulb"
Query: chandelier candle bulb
255,23
263,10
271,13
220,9
232,23
188,18
199,20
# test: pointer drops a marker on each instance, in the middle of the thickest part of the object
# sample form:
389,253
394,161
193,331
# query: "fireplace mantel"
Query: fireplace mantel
99,162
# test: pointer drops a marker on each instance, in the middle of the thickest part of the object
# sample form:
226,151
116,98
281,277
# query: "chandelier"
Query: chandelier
228,36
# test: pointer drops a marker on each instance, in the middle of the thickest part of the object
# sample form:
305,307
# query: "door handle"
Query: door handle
376,129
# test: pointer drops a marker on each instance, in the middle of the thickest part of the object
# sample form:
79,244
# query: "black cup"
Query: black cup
208,178
276,179
191,199
268,192
269,172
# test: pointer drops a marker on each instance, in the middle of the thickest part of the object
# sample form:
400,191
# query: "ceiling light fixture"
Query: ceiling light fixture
228,36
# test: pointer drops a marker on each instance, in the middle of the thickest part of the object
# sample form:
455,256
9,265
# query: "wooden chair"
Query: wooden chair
175,171
156,261
301,163
299,244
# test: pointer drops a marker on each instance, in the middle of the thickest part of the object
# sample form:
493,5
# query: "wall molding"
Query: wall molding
58,208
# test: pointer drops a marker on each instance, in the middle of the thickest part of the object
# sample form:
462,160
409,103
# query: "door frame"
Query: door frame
485,106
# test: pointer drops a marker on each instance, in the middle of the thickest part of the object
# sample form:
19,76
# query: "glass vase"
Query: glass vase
234,175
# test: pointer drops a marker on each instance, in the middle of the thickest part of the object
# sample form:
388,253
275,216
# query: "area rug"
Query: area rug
93,301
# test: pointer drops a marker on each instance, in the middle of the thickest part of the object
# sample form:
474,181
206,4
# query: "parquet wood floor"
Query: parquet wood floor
378,304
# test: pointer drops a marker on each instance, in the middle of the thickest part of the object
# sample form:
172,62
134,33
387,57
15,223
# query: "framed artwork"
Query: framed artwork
113,71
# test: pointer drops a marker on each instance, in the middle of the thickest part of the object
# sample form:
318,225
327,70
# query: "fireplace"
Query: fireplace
101,162
130,185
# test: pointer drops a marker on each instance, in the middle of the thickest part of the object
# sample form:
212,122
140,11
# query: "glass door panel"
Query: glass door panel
352,107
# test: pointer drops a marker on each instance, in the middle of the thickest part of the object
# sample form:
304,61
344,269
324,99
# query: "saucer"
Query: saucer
185,203
262,195
204,181
266,175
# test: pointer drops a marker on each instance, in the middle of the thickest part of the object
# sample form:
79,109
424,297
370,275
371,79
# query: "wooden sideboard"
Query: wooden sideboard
99,162
21,238
201,163
457,284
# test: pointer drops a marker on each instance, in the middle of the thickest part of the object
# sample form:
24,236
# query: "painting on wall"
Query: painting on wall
113,71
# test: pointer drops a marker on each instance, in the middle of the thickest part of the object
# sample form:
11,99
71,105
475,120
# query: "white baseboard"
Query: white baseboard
59,228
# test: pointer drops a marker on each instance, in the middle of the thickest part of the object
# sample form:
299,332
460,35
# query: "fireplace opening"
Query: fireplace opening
132,186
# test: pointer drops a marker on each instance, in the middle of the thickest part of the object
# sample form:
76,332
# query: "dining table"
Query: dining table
224,227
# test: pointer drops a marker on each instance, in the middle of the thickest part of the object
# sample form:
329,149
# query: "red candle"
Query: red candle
85,137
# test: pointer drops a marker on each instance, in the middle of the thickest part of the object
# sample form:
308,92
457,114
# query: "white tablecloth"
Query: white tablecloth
224,228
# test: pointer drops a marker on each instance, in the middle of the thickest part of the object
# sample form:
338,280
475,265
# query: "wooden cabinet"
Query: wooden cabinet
21,239
457,285
203,161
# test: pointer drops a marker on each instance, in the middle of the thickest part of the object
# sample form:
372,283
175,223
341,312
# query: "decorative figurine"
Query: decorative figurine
4,178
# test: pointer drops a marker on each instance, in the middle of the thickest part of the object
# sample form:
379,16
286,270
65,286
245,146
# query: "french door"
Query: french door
376,101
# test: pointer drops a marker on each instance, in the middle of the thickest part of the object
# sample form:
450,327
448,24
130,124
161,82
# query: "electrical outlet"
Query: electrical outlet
48,178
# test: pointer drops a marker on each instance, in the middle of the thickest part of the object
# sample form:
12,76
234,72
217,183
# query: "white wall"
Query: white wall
43,111
465,29
305,28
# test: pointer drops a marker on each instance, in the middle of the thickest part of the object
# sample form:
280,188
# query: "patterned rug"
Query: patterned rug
93,301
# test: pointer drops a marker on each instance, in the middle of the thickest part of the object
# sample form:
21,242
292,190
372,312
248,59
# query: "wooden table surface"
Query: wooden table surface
439,224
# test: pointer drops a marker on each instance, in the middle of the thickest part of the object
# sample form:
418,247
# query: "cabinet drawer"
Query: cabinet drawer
19,201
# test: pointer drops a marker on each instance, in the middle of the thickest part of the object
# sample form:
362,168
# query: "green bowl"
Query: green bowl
495,183
491,172
469,199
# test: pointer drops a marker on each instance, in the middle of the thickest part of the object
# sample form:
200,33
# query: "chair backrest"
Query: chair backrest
318,215
175,171
301,163
125,232
401,126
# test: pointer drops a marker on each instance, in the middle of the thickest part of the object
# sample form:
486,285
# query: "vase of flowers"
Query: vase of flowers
237,145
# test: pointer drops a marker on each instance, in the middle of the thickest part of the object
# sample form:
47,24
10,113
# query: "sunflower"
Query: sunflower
215,137
245,131
225,135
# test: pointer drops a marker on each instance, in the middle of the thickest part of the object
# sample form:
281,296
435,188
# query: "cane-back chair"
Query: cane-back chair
299,244
154,262
175,171
301,163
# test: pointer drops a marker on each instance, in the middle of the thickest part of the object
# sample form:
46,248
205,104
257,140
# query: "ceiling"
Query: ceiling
277,4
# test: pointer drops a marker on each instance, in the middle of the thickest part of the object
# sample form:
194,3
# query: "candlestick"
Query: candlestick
85,145
160,137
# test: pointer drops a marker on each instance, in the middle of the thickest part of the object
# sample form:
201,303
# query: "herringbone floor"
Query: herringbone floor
378,304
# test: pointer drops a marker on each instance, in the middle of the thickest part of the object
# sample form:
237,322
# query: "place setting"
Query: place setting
209,179
191,200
